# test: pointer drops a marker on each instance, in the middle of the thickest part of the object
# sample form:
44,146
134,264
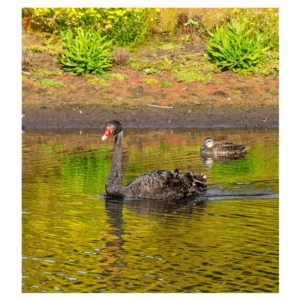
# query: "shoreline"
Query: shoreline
151,117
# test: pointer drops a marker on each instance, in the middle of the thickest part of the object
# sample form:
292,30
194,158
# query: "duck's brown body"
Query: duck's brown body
221,149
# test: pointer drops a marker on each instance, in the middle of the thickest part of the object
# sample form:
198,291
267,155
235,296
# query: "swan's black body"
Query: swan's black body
160,184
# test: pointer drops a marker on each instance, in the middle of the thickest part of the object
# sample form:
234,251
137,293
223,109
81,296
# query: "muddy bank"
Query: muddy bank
150,116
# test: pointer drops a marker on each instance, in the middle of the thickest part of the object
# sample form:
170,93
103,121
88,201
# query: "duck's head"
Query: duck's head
208,143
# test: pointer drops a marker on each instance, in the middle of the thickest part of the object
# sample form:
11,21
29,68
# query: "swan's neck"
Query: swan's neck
114,181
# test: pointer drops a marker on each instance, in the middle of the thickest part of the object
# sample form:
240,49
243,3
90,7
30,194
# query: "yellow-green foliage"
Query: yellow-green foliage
211,17
123,25
261,20
127,24
164,19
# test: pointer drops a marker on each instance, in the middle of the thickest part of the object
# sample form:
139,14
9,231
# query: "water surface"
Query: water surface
75,239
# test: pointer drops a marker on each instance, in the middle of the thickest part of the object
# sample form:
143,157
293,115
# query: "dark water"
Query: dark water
75,239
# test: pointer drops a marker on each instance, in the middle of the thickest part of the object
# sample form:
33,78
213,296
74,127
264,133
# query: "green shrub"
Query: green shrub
236,47
86,52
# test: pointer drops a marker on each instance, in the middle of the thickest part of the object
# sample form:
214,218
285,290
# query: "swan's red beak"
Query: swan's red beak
107,133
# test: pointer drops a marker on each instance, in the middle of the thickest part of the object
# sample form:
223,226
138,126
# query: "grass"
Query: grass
105,80
146,65
170,46
48,48
165,84
188,76
153,71
36,49
99,80
135,65
162,84
117,76
150,80
184,67
48,83
165,64
45,73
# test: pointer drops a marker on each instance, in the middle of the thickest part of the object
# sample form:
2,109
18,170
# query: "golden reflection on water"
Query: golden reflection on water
76,241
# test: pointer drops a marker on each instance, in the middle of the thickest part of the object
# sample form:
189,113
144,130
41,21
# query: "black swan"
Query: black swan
211,148
160,184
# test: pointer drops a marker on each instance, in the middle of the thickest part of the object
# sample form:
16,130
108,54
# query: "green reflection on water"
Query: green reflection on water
75,242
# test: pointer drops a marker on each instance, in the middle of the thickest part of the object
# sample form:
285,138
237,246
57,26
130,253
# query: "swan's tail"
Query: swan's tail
196,184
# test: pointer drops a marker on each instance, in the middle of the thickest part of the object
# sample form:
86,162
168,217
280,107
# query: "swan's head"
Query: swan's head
208,143
111,127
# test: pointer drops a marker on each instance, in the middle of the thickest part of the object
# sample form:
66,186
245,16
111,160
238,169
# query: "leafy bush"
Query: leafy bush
85,52
235,48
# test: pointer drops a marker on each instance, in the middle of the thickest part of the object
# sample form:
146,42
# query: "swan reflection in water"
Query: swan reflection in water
114,205
154,210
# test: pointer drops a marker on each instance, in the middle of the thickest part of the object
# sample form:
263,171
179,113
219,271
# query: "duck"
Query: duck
211,148
158,184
